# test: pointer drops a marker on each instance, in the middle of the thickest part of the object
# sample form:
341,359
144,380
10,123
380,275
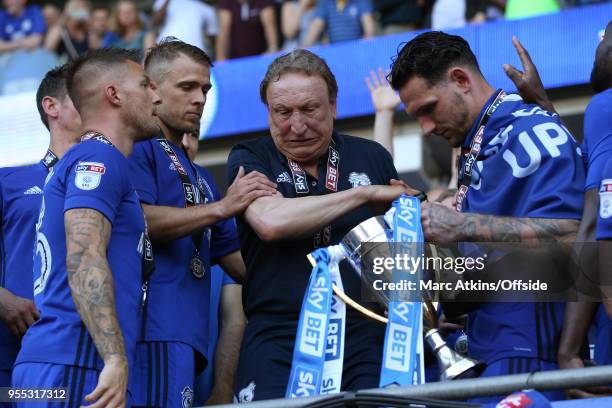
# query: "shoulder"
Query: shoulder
143,148
261,147
600,105
6,172
33,9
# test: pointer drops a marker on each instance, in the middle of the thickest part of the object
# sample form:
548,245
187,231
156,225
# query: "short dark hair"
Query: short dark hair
91,65
53,85
302,61
171,48
429,56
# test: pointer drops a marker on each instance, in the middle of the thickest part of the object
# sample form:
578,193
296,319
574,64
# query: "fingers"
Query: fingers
383,77
514,74
96,393
240,174
523,54
375,79
29,318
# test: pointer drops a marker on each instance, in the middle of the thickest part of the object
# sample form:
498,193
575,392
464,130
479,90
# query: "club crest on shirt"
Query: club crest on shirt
359,179
187,397
246,394
88,175
605,198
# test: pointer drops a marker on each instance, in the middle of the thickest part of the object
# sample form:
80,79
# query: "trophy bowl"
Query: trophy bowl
375,230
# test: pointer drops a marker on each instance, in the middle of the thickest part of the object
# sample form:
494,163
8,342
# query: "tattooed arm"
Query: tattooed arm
443,225
91,284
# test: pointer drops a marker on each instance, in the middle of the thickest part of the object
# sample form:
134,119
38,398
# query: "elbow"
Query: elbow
267,228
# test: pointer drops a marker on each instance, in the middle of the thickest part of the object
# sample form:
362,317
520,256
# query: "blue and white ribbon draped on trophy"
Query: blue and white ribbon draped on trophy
319,347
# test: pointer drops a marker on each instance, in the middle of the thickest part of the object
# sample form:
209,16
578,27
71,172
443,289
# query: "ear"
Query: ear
51,106
460,77
112,95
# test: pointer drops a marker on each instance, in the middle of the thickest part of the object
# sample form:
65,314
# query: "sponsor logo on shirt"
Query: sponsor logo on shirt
283,178
605,198
359,179
88,175
33,190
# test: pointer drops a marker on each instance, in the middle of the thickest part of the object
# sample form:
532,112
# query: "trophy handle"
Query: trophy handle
350,301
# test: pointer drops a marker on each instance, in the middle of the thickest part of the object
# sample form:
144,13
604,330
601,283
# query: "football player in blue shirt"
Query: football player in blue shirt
91,246
596,150
226,325
525,188
183,228
20,197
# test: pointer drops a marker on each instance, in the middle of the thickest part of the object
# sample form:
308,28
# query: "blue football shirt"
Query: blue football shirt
529,166
604,218
30,22
178,305
20,197
91,175
597,144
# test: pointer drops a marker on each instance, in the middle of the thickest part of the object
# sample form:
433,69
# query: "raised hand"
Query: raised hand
528,82
384,98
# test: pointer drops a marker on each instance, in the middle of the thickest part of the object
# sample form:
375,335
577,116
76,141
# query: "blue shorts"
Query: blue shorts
164,374
518,365
78,381
267,351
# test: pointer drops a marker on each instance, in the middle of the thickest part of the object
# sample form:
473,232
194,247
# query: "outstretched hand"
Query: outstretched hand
384,98
528,82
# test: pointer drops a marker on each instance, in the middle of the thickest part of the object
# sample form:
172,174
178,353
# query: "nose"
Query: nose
427,125
199,98
297,124
155,97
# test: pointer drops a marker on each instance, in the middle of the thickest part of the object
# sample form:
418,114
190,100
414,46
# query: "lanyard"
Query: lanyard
300,183
50,159
191,200
148,265
465,170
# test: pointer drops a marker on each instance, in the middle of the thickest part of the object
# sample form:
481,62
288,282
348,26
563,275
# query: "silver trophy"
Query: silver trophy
452,365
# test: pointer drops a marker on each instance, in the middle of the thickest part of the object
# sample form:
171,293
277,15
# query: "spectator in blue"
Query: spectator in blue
21,27
128,29
343,19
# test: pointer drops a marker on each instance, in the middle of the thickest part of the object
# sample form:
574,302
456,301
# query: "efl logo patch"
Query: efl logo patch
88,175
605,199
515,401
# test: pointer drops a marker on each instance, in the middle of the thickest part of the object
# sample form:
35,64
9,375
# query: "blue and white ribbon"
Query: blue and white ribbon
319,347
403,358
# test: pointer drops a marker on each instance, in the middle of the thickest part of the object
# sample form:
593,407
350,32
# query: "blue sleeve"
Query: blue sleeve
39,26
365,7
108,39
321,11
224,238
598,137
604,218
142,172
227,280
96,179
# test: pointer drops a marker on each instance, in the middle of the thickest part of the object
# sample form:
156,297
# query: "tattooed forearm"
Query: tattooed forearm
478,227
90,279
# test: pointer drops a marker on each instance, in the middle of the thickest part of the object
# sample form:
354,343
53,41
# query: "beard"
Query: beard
143,124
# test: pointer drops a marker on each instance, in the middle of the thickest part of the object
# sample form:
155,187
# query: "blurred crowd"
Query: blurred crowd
228,29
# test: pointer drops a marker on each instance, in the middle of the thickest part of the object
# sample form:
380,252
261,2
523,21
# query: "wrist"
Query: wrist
115,359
